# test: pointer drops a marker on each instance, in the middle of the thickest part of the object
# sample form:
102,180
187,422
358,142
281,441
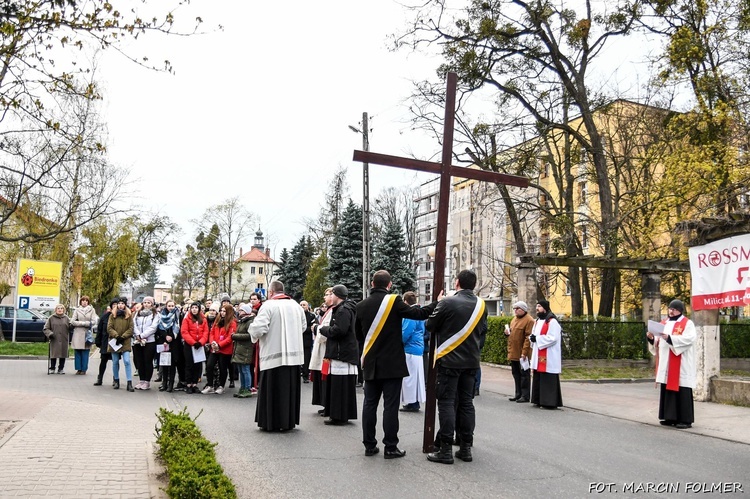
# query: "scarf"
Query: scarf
167,319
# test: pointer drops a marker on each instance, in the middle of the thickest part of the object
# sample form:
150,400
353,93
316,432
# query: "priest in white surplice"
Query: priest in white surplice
674,350
278,330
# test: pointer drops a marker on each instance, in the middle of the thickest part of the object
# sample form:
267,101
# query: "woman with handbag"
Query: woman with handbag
83,321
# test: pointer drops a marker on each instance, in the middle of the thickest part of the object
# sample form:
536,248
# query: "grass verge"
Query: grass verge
40,349
571,373
189,459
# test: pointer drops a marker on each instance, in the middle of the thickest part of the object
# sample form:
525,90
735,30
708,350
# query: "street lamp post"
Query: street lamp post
365,207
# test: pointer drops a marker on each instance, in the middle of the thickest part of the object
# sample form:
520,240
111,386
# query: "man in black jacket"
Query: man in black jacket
378,328
307,340
456,326
341,356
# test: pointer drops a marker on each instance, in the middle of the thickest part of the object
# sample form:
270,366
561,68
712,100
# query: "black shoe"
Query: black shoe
162,388
667,423
158,379
464,454
358,385
231,384
334,422
322,412
444,455
476,392
683,426
305,380
513,399
371,451
180,387
409,408
130,386
116,384
394,454
522,400
98,381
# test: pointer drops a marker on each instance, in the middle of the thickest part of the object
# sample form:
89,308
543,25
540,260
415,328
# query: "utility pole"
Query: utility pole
365,206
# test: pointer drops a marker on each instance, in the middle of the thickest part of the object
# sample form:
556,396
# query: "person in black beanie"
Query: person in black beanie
674,349
101,341
546,358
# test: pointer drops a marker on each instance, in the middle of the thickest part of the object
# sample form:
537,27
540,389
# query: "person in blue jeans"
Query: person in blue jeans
244,350
120,329
84,321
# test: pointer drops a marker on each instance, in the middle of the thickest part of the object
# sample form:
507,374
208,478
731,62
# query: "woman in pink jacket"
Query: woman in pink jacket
221,348
194,332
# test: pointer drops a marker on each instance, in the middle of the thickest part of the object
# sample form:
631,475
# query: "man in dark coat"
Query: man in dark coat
307,340
378,327
341,356
456,326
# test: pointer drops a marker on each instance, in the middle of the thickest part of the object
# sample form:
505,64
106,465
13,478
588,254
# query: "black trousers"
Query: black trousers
390,390
192,370
168,372
308,354
676,407
522,379
103,359
452,385
224,360
144,357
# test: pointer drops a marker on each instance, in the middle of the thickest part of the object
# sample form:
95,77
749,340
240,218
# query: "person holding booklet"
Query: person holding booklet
546,358
674,349
120,332
457,325
194,332
519,350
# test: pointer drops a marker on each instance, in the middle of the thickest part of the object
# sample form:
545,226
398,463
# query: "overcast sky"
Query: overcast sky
261,110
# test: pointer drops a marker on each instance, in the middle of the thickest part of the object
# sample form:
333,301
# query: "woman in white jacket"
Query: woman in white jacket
84,320
145,323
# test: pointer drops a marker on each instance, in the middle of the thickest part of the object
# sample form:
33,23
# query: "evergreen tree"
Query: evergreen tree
389,253
345,254
280,273
317,280
297,267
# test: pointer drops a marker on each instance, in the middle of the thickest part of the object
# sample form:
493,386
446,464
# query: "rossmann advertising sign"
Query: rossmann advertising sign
38,284
721,273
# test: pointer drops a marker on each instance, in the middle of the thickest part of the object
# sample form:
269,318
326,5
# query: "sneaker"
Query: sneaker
253,390
60,371
50,370
207,390
219,390
146,385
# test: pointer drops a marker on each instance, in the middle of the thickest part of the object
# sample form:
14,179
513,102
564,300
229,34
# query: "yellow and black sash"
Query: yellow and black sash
454,341
377,324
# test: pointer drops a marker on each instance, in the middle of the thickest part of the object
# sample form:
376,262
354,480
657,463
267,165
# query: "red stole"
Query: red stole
542,353
673,367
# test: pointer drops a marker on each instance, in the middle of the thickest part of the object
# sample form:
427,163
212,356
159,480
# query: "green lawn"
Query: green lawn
571,373
40,349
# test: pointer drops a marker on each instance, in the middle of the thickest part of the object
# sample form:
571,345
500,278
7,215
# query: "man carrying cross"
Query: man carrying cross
378,326
456,326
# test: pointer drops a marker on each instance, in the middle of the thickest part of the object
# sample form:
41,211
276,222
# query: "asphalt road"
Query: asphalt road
519,450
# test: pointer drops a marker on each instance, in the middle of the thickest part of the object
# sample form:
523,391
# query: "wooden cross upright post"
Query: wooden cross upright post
446,171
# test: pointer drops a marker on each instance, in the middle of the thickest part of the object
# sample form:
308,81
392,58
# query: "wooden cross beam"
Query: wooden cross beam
445,169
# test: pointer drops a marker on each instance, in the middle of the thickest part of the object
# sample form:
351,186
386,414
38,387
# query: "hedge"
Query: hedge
190,460
605,338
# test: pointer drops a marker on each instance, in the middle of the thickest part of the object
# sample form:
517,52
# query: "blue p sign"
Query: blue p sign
23,302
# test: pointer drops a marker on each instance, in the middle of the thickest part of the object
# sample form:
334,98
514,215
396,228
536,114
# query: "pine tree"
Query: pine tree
389,253
317,280
280,273
345,254
297,266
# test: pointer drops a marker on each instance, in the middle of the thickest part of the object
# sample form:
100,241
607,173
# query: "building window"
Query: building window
252,270
584,237
567,287
260,270
427,286
259,285
582,193
427,266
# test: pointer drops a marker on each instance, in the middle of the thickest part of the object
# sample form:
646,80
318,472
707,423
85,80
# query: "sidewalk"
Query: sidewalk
56,446
632,401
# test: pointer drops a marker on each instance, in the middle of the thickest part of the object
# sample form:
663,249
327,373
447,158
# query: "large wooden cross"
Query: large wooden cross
446,171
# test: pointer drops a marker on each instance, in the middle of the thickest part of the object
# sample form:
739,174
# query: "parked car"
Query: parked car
29,324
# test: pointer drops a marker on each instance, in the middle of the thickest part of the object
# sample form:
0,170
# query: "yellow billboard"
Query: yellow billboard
38,284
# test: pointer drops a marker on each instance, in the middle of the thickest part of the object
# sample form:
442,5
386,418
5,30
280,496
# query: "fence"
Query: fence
610,339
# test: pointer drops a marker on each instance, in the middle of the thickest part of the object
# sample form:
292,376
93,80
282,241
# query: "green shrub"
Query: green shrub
735,340
496,345
190,460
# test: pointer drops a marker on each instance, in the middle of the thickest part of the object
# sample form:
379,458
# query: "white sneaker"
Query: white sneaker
219,390
139,386
207,390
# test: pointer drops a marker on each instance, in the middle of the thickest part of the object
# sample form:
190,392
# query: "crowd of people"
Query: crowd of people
271,347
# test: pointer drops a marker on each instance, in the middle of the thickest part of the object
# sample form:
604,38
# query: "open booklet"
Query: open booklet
115,346
655,327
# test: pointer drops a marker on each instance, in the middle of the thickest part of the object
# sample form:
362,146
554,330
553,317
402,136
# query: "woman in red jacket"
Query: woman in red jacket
221,348
194,332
